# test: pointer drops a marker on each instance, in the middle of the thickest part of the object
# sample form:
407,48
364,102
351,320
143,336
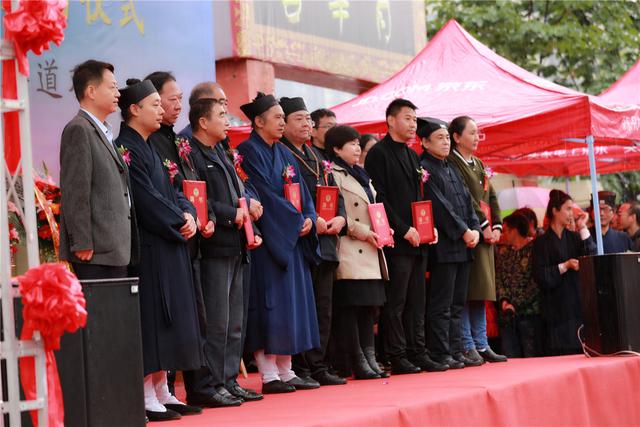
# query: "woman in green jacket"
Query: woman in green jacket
482,280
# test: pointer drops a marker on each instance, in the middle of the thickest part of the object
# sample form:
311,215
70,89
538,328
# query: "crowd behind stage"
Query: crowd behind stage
312,300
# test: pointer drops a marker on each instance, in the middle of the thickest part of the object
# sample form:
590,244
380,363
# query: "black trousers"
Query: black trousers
447,296
94,271
520,336
402,316
312,362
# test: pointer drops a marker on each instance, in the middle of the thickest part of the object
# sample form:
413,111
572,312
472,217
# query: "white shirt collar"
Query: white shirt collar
463,159
105,127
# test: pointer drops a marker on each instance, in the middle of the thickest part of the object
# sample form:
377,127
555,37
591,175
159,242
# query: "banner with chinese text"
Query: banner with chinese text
137,37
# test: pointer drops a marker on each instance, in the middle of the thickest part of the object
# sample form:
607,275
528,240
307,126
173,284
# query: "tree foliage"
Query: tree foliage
584,45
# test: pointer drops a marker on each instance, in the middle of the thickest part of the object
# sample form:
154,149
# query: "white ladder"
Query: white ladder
11,349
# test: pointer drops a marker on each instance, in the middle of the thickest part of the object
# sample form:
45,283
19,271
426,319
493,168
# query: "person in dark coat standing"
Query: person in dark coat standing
629,217
555,269
223,253
170,331
613,241
98,233
395,174
450,258
178,150
282,313
464,135
310,366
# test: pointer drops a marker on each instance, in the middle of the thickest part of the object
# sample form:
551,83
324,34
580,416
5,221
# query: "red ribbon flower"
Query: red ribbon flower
126,155
288,174
32,26
237,164
172,168
53,303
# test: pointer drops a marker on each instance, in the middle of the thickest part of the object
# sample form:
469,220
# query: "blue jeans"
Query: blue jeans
474,326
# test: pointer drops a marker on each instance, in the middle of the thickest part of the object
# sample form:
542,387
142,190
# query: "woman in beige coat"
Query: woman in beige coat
359,287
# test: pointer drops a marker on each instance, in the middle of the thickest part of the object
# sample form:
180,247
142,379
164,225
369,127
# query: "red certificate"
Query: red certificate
327,201
486,209
423,220
292,194
380,224
248,225
196,192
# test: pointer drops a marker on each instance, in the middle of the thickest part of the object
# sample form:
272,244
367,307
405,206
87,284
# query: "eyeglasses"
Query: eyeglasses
326,126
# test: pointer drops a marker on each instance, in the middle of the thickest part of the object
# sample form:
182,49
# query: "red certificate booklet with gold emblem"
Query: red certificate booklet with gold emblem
486,209
380,224
196,192
292,194
248,225
327,202
423,220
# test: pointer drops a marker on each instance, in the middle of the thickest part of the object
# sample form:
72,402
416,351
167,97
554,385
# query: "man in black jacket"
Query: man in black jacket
222,253
451,257
297,132
395,172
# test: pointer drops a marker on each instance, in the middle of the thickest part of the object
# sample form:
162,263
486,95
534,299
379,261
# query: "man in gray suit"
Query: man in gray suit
97,235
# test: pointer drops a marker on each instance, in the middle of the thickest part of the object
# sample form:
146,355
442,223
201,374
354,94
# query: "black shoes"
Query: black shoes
306,383
183,409
450,361
243,393
425,363
492,357
370,355
327,378
361,368
215,400
277,386
403,366
466,361
167,415
473,355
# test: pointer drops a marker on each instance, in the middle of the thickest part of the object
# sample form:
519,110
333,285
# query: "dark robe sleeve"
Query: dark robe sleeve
374,165
545,270
496,220
281,223
155,213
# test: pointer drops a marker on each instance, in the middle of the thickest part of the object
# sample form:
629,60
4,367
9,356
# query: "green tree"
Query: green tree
584,45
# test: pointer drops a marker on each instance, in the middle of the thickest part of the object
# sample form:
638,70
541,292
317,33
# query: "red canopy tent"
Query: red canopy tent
569,162
518,112
626,91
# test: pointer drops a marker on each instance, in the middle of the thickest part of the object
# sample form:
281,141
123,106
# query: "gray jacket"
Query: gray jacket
95,207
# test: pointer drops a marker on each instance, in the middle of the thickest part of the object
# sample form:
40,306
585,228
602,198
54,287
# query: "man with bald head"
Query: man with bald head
205,90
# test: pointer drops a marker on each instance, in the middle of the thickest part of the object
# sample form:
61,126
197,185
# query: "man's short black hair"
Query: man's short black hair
398,104
88,72
319,114
159,78
200,108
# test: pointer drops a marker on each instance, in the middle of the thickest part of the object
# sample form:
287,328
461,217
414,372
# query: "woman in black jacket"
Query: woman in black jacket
555,269
451,257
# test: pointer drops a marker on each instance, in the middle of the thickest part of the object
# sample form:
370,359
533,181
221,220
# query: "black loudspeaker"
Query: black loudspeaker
610,286
100,366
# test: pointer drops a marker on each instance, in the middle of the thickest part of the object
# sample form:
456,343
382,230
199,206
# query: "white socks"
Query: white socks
156,392
284,368
274,367
162,389
151,402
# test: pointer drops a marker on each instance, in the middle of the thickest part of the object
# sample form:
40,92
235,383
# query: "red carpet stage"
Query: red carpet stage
554,391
